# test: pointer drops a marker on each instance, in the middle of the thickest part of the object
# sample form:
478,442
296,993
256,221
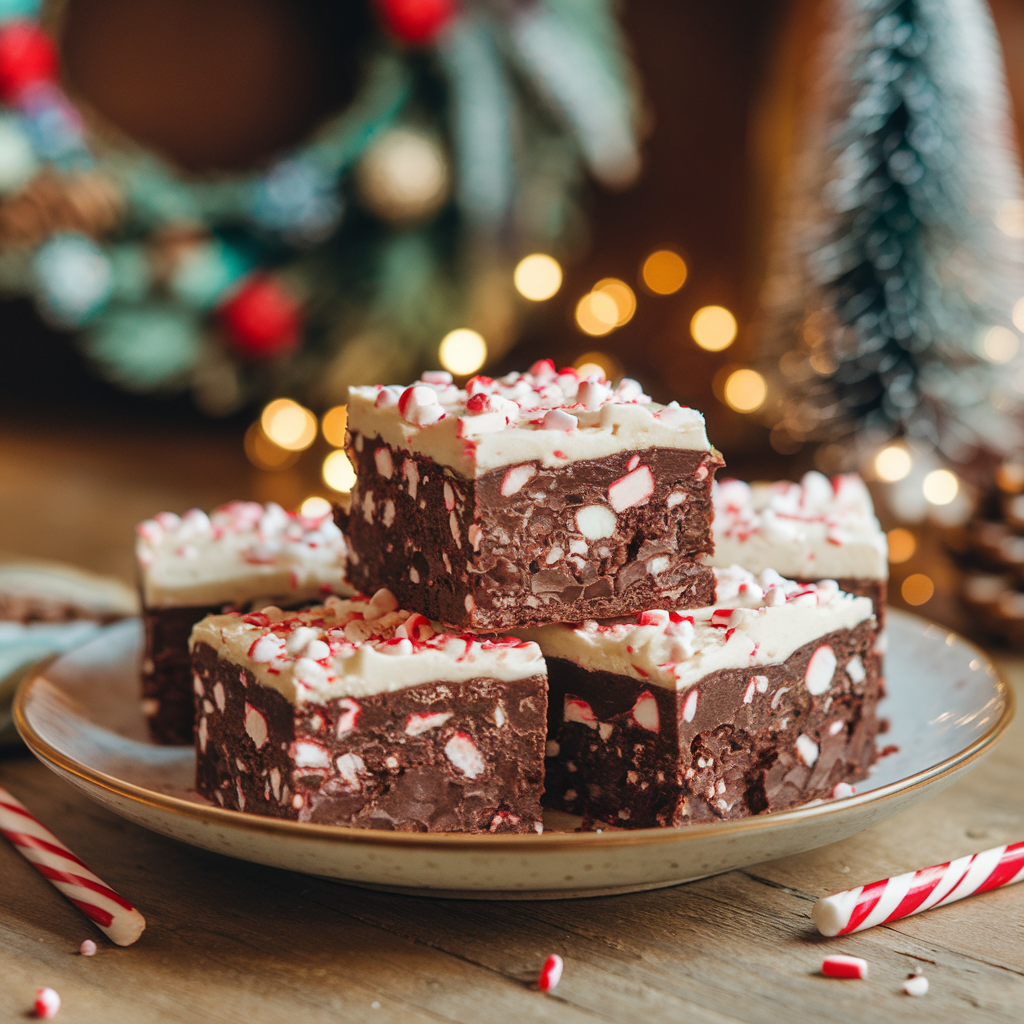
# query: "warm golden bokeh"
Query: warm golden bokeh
902,545
713,328
315,507
892,463
745,390
940,486
537,277
917,588
462,352
333,425
597,313
263,453
338,473
289,425
664,272
621,294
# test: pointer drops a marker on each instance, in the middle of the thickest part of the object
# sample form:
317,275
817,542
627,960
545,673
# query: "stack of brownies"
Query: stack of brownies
544,617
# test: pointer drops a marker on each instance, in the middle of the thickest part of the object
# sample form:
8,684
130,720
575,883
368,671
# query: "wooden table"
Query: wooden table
230,941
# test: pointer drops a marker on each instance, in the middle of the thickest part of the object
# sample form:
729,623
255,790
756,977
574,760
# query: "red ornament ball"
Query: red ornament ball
262,319
27,57
416,21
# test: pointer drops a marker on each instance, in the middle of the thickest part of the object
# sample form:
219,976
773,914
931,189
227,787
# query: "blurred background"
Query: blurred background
216,216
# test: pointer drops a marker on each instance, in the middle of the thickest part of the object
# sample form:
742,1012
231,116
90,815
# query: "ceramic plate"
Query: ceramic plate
80,716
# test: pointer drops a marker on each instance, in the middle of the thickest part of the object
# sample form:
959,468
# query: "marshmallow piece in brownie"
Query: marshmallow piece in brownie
812,530
533,498
358,713
763,701
240,554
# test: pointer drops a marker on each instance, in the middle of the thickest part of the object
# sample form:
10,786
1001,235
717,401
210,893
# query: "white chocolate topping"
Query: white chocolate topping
816,529
241,552
359,647
755,621
548,416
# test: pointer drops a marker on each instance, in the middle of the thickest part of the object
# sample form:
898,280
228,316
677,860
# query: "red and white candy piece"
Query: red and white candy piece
47,1003
550,974
111,913
916,891
839,966
916,985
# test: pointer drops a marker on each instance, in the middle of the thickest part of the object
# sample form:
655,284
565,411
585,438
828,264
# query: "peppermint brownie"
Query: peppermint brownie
357,713
192,565
534,498
761,702
813,530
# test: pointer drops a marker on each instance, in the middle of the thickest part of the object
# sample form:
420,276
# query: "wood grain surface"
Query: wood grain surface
229,941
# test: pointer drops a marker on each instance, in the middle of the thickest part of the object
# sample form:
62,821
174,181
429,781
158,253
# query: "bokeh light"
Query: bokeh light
537,277
338,473
315,507
263,453
917,588
597,313
1010,218
621,294
333,425
289,425
902,545
664,272
1018,314
892,463
999,345
745,390
713,328
940,487
598,362
462,351
1010,478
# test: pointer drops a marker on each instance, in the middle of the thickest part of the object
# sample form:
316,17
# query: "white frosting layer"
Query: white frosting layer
816,529
543,415
755,621
241,552
357,648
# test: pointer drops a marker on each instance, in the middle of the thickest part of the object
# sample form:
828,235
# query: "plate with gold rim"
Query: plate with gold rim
81,716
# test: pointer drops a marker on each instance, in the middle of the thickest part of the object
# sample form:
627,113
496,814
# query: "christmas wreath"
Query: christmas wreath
464,149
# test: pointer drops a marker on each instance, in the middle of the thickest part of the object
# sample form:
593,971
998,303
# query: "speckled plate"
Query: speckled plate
80,716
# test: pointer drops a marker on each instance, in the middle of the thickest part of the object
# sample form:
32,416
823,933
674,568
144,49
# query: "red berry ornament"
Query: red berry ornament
27,57
416,21
262,319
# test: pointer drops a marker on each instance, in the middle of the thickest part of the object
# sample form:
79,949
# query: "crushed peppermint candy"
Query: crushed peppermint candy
548,414
550,974
756,620
916,985
240,551
350,648
839,966
87,948
47,1004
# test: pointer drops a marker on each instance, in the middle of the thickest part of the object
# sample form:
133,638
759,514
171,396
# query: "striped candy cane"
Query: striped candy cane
893,898
111,913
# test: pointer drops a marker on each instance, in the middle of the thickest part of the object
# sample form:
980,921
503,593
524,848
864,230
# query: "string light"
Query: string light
917,588
940,487
664,272
315,507
462,351
902,545
892,463
289,425
745,390
338,473
999,345
621,294
263,453
537,277
597,313
333,425
713,328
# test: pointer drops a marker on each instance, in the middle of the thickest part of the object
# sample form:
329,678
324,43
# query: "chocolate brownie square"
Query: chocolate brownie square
358,713
764,701
193,565
539,497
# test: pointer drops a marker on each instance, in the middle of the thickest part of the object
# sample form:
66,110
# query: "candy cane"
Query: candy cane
904,895
111,913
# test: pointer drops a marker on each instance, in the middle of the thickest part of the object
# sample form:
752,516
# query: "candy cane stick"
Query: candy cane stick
111,913
904,895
